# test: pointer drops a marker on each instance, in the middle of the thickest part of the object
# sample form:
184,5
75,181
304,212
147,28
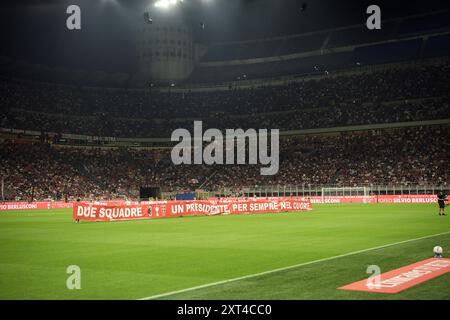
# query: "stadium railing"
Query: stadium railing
317,190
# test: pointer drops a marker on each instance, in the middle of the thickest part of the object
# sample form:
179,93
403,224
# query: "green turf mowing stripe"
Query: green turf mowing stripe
288,267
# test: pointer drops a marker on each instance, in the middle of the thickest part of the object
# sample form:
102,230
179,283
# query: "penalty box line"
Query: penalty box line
254,275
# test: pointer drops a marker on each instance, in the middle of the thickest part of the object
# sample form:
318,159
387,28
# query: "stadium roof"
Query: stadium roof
34,30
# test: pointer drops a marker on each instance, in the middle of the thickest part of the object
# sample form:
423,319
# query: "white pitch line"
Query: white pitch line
286,268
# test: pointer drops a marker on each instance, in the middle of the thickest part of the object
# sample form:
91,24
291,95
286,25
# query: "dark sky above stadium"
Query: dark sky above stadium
34,30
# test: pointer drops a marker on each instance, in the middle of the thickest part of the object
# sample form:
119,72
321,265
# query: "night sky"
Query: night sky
35,30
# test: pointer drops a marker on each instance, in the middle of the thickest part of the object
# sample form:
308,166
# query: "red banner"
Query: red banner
104,212
160,209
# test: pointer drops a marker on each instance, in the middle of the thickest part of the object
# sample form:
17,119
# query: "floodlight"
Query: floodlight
164,4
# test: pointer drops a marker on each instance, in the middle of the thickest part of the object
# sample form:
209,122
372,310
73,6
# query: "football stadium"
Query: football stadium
224,150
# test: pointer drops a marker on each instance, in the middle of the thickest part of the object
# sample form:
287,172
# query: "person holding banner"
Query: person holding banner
77,220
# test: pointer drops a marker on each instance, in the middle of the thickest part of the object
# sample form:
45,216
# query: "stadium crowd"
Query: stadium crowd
414,155
41,171
414,93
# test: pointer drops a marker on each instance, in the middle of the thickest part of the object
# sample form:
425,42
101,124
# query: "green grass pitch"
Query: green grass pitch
139,259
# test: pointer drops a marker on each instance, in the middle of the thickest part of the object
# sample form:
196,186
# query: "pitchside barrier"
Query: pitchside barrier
38,205
164,209
406,198
42,205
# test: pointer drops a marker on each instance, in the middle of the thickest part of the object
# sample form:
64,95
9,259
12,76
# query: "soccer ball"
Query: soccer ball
437,251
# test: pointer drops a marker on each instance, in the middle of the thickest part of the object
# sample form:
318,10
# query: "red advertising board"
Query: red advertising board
408,198
403,278
40,205
400,199
421,198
